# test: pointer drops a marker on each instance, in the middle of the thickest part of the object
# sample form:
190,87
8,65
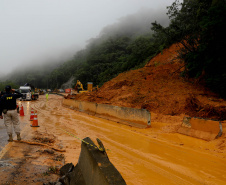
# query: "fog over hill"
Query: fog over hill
36,32
136,24
131,25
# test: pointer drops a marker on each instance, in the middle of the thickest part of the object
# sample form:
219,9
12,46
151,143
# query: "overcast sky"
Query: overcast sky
34,31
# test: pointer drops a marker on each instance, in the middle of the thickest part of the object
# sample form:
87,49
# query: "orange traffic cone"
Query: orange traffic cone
32,115
21,110
35,121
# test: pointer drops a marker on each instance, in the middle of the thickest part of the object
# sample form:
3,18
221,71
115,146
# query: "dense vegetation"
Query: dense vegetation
3,84
112,56
199,25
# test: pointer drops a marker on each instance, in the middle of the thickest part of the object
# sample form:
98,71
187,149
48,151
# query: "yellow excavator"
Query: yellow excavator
39,91
79,86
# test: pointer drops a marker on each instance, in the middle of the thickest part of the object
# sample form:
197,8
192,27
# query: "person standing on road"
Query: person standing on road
32,95
47,96
8,106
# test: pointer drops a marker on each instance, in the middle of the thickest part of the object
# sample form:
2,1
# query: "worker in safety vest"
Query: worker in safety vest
8,107
32,94
47,96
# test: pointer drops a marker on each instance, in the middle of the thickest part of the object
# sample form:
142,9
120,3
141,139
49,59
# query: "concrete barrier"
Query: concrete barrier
93,168
135,117
201,128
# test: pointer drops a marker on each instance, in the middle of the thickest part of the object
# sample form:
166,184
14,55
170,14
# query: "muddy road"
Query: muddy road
142,156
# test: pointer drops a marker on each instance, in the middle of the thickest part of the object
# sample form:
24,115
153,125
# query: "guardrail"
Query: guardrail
135,117
205,129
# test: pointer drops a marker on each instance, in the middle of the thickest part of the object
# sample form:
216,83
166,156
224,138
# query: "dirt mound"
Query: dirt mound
159,88
199,109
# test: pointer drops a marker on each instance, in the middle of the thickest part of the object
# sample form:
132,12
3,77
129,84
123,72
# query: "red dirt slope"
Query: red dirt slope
159,88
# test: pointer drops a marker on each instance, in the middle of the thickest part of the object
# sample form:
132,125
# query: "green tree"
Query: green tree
199,25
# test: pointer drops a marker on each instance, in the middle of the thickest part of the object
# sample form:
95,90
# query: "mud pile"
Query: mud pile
160,88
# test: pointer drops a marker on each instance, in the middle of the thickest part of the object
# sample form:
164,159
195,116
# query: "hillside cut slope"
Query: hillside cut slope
160,88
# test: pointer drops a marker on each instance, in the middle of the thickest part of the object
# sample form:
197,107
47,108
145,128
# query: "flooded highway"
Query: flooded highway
142,156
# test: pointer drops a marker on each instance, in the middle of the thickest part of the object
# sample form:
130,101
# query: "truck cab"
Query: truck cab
26,91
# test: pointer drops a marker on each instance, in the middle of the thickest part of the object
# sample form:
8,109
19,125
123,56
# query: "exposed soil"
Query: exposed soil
156,155
160,88
31,164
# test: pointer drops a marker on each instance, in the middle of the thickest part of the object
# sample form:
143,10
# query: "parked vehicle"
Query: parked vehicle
61,90
28,93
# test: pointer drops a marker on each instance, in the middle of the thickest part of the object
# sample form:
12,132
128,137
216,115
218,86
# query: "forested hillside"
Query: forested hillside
199,25
121,46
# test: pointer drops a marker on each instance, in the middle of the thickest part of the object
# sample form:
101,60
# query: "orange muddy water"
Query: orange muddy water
142,156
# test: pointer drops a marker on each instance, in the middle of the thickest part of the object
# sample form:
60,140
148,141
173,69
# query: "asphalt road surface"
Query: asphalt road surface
3,134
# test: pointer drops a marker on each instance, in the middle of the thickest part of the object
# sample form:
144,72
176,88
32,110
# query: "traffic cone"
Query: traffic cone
35,121
21,110
32,115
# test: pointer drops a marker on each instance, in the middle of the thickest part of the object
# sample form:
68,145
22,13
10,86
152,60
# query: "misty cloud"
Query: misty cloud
36,32
138,23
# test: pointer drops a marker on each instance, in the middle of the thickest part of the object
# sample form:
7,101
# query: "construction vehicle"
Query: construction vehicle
90,87
28,92
79,86
40,91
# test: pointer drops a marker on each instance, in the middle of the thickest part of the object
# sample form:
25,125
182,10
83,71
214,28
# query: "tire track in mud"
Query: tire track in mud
139,157
151,162
46,109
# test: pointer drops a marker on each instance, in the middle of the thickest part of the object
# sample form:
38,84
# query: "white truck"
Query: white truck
27,93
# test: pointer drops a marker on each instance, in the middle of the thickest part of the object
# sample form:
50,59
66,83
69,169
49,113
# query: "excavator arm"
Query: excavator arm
79,86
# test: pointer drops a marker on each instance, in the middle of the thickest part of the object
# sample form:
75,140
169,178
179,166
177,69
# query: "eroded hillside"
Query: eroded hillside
160,88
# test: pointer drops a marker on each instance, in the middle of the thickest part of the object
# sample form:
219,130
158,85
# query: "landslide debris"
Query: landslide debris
160,88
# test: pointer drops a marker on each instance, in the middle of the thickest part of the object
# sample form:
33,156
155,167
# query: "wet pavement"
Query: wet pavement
3,133
142,156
